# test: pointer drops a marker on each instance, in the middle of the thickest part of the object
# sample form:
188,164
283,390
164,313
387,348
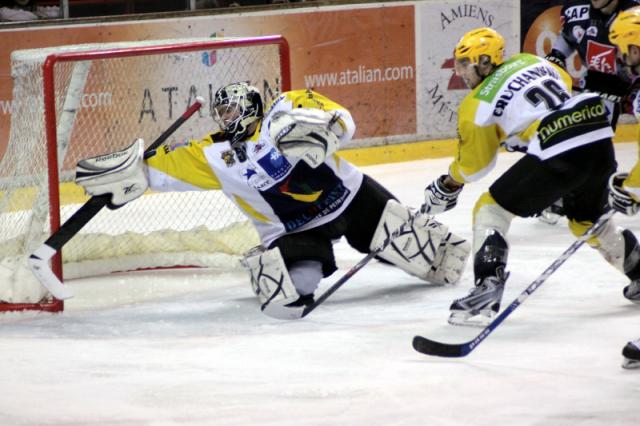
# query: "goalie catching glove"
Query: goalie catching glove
121,174
306,133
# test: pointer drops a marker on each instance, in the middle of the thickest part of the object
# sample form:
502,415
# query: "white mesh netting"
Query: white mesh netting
102,105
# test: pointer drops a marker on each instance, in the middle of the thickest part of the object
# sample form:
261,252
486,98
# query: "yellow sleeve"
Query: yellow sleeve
186,164
307,98
477,145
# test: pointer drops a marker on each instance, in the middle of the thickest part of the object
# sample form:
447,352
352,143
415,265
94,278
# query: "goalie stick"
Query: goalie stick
282,312
39,260
457,350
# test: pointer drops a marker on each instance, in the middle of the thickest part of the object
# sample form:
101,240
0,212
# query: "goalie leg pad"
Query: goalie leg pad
270,279
451,259
414,250
121,174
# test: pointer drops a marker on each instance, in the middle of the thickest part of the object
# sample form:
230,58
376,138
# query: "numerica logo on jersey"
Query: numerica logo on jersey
594,112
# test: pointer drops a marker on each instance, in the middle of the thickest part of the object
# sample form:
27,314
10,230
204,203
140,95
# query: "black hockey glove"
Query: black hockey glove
558,58
619,199
439,198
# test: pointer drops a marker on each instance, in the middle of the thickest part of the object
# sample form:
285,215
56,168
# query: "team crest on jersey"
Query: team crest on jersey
578,33
228,157
592,31
601,57
576,13
274,164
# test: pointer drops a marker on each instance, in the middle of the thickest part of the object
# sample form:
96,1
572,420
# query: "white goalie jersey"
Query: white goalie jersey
280,194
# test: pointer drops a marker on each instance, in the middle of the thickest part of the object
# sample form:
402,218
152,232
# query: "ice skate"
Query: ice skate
482,304
632,291
631,354
552,214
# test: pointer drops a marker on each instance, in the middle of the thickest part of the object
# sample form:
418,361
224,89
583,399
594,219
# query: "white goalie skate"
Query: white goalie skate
481,304
631,354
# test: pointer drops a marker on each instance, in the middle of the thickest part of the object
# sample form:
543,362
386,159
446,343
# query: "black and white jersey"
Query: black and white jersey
585,30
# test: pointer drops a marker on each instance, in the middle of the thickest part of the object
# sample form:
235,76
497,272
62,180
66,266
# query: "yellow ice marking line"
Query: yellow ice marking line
397,153
440,148
23,198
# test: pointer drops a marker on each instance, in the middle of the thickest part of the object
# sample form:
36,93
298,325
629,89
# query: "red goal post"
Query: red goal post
87,100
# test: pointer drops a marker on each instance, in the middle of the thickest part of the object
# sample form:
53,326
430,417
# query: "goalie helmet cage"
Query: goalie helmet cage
87,100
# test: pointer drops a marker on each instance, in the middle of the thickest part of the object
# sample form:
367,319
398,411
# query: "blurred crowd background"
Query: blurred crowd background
32,10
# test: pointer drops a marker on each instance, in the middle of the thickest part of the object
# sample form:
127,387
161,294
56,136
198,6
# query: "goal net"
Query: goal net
75,102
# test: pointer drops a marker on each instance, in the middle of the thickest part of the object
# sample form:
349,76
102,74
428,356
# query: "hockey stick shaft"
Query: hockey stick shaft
38,261
83,215
355,268
450,350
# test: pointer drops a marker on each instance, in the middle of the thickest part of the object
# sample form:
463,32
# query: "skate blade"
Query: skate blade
549,218
468,319
630,364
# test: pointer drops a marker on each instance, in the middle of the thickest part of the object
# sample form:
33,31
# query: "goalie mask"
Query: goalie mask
237,106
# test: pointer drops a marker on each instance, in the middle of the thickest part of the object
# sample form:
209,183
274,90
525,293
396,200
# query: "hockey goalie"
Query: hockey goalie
281,170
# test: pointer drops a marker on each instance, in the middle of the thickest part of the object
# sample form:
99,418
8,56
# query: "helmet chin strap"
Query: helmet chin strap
476,67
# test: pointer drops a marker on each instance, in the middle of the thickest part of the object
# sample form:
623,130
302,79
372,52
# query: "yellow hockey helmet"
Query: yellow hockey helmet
625,29
478,42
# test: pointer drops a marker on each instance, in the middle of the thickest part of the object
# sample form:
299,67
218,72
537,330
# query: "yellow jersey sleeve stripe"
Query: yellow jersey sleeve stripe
187,164
477,145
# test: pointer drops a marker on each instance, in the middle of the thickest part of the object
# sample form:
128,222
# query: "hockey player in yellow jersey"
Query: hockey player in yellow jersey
281,170
624,195
524,103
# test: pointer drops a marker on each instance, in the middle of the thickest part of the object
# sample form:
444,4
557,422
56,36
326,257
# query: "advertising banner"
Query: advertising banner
439,27
540,26
362,57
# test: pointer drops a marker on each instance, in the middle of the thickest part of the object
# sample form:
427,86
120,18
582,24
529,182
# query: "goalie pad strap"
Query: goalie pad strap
414,250
121,174
451,259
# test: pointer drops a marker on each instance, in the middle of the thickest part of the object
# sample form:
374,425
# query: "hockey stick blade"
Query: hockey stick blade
297,312
290,313
39,264
283,312
38,261
452,350
431,347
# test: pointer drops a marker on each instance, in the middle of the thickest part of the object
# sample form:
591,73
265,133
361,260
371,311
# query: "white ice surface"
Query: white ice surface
191,347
